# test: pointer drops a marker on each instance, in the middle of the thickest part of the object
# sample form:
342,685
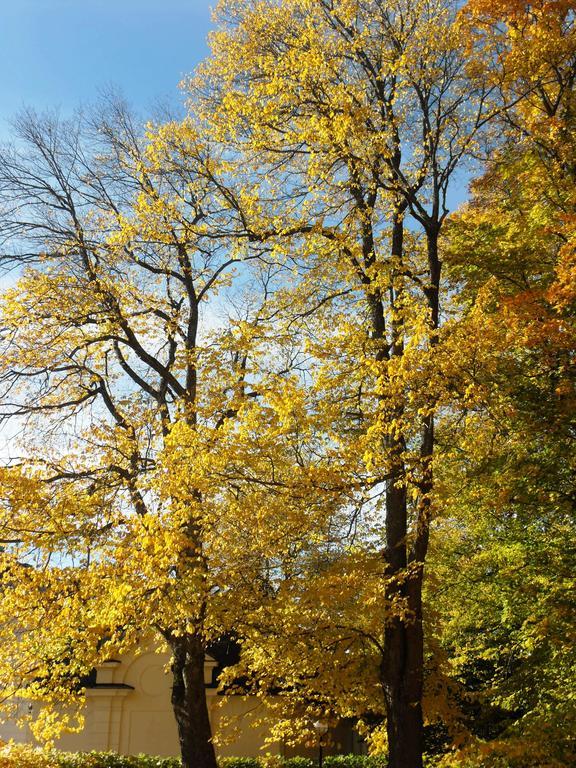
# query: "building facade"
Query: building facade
128,710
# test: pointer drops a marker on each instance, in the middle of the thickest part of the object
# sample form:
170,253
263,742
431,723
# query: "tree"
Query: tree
317,159
111,345
505,549
357,115
505,616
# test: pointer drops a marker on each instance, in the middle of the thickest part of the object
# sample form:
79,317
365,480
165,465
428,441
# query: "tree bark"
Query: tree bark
402,664
189,703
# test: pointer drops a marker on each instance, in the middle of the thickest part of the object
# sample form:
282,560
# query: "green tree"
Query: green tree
506,548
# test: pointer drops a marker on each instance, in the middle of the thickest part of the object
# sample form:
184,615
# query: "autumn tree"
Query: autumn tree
509,537
287,460
114,346
353,118
505,550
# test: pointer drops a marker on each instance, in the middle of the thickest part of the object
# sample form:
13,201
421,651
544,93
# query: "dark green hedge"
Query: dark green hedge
338,761
355,761
110,760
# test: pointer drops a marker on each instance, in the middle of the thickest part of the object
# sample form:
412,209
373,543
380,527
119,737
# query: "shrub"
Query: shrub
239,762
298,762
25,756
355,761
112,760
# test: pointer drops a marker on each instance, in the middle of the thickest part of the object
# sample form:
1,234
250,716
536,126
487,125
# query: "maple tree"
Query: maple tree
532,49
500,596
506,548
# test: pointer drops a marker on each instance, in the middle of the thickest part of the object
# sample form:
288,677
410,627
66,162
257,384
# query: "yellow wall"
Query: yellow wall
140,719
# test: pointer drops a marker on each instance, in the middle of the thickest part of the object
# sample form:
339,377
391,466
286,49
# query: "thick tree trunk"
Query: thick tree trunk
402,665
189,703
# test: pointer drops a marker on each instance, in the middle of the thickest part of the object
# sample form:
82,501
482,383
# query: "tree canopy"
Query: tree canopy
269,385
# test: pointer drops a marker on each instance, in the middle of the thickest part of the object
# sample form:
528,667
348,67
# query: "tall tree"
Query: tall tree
110,337
506,547
356,115
506,617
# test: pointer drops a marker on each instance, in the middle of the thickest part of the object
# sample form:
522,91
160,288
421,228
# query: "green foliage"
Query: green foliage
112,760
296,762
239,762
355,761
504,552
24,756
330,761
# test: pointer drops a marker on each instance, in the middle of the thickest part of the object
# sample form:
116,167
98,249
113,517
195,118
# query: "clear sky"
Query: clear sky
58,53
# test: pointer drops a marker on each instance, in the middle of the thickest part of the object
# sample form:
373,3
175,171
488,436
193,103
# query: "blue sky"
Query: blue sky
59,53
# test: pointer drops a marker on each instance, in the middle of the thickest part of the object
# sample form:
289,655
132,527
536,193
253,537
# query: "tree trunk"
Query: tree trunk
402,664
189,703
